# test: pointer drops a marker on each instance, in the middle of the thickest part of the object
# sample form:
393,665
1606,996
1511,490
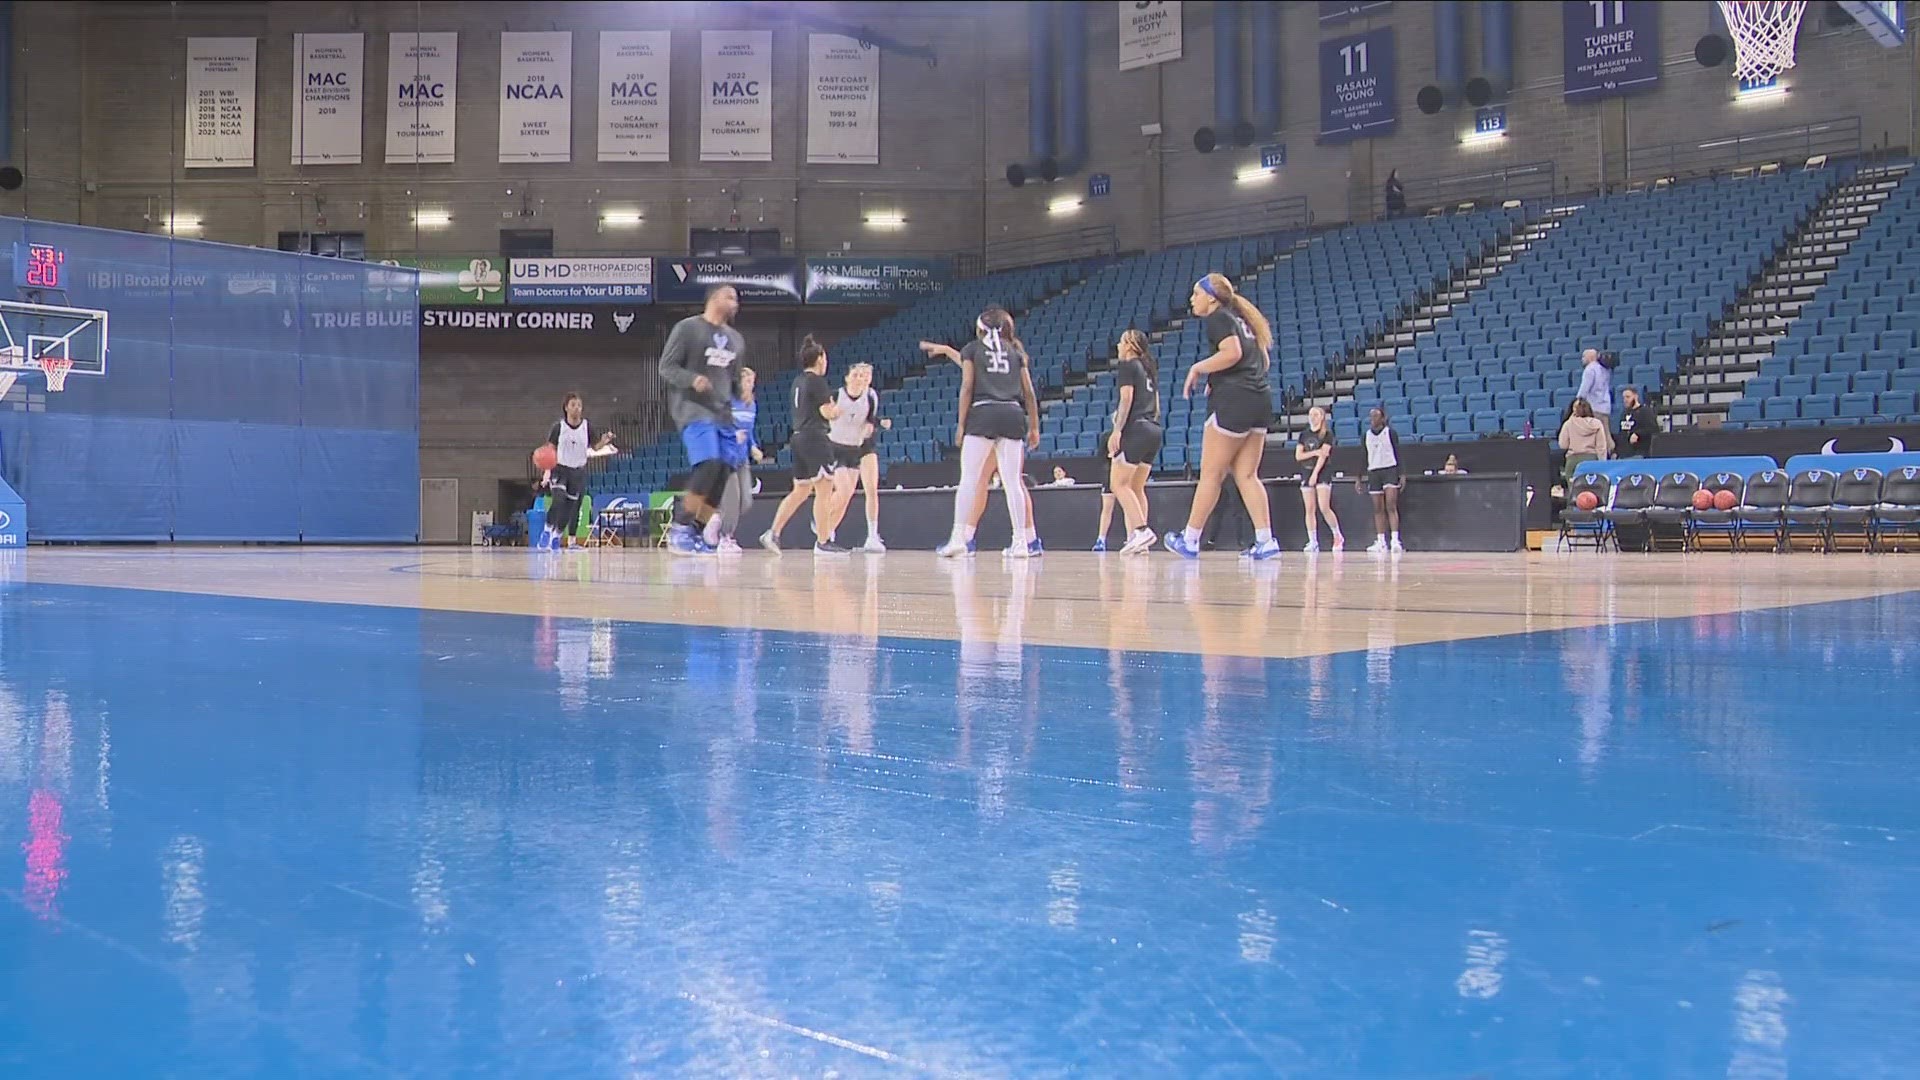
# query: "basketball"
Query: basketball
1725,500
1703,500
1587,500
545,457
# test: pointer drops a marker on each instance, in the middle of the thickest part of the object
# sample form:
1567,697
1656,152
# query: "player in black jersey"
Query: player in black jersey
1316,478
1241,407
814,458
999,419
1135,441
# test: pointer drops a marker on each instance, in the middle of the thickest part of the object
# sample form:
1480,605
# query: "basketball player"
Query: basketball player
573,444
999,418
698,365
814,458
1383,482
741,452
993,478
854,433
1316,482
1241,408
1135,441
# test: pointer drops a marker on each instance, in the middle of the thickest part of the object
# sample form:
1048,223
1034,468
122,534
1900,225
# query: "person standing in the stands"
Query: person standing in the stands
1638,425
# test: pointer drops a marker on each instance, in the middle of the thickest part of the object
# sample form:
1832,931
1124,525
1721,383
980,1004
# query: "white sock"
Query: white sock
1263,536
966,534
1396,536
712,531
1192,536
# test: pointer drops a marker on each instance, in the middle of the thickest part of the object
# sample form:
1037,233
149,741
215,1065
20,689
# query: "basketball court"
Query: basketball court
898,816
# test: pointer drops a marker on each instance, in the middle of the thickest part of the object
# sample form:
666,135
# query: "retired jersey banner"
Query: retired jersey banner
421,70
636,68
536,96
843,101
1356,86
736,106
582,281
220,93
327,98
1149,32
1610,47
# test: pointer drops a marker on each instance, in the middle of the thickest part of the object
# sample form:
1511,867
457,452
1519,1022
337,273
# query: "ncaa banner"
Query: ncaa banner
636,68
843,101
1149,32
1611,47
420,99
581,281
1356,86
876,280
536,87
736,107
220,74
326,98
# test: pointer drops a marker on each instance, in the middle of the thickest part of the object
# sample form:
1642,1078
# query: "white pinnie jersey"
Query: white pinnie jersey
1380,453
850,427
572,444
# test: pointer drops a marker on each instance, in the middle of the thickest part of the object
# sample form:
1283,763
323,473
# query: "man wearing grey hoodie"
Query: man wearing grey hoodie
700,365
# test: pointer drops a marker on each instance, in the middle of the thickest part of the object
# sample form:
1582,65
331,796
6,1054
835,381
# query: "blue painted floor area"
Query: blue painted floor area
250,838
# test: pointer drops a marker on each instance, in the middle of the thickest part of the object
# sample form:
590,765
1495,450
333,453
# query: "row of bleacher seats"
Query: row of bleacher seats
1825,504
1862,326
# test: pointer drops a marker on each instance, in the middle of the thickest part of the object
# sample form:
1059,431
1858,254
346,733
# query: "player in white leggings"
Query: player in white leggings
999,420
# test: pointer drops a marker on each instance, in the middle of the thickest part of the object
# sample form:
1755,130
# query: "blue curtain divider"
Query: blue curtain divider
249,395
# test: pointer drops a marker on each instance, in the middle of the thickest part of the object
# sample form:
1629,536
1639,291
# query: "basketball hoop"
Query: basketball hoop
56,367
1763,36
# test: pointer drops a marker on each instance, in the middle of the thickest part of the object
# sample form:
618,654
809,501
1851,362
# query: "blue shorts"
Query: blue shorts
703,439
734,449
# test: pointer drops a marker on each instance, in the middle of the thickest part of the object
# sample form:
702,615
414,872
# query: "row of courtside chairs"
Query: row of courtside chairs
1815,509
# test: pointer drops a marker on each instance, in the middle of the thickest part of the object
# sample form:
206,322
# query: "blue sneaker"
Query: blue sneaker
1035,549
682,540
1100,544
1262,550
1176,542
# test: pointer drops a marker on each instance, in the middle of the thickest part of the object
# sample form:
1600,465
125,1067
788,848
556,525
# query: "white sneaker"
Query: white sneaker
1378,547
1313,546
1396,548
1141,541
954,548
874,546
728,546
1019,551
1339,543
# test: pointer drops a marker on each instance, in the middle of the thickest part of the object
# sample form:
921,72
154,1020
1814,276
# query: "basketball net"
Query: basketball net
1763,36
56,368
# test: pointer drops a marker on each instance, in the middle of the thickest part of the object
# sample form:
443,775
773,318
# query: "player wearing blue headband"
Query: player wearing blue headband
1240,406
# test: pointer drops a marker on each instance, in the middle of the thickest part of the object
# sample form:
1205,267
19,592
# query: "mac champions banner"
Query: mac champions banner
536,96
843,101
420,79
327,98
636,68
220,74
1149,32
736,109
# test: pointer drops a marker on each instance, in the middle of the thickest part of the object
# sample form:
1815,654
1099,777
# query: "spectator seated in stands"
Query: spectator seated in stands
1060,478
1452,467
1585,436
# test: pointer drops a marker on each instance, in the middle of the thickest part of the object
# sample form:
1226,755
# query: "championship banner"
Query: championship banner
1356,86
1149,32
1610,47
843,101
736,109
876,280
421,71
536,104
582,281
220,91
686,281
636,68
327,98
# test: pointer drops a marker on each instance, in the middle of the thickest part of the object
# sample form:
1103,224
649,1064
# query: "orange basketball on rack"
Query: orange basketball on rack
1703,500
1725,500
545,458
1587,500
